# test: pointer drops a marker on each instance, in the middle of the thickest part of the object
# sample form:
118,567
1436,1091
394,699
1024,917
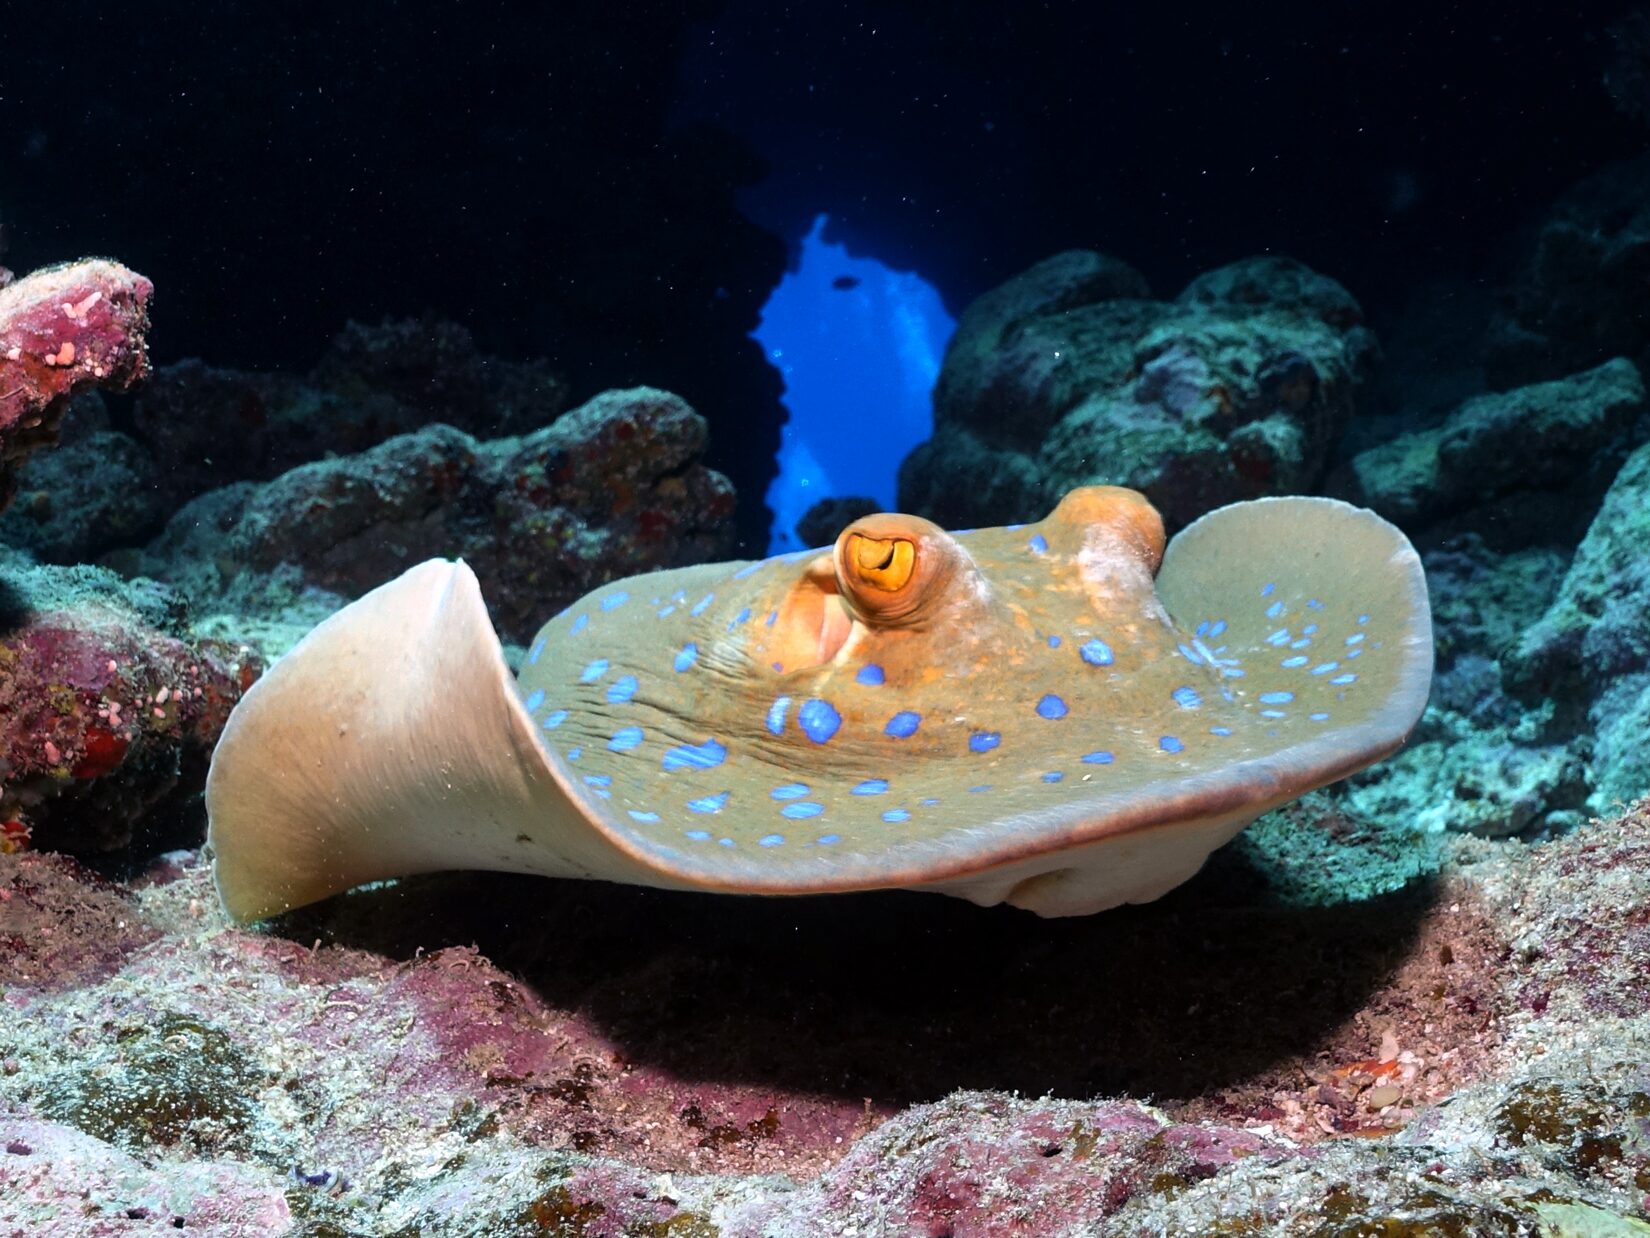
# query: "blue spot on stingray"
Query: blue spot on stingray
1310,629
1170,744
1054,642
615,600
1280,637
698,836
1220,730
1302,643
871,786
625,738
1098,758
749,569
1097,653
1273,713
1233,672
896,814
903,725
687,657
599,780
725,842
802,811
825,840
579,624
790,791
984,786
554,720
770,840
1053,775
1052,707
667,612
1186,698
1274,610
1349,677
1038,543
929,803
709,803
622,690
533,702
818,720
575,752
773,616
1219,627
1354,653
643,816
1355,639
535,651
1313,604
594,671
702,604
1299,659
1267,589
984,741
1323,668
1202,629
1276,698
1363,618
870,674
1191,655
1318,717
707,755
743,615
776,715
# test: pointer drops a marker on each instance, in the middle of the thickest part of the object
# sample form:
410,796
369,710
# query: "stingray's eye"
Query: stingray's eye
884,563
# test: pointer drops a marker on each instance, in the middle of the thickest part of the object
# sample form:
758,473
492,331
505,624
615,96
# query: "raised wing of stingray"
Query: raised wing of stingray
1035,715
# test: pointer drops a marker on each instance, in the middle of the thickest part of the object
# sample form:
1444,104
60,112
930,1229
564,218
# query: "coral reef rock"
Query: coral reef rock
1579,297
613,488
1542,438
108,709
1069,375
63,330
207,426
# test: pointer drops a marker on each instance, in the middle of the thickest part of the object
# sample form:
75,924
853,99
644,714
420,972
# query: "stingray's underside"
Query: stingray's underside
1051,732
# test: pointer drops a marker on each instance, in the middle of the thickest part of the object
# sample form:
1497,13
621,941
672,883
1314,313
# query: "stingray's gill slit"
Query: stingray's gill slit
1063,716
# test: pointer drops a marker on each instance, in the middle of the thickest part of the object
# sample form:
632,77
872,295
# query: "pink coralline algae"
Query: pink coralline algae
104,717
63,330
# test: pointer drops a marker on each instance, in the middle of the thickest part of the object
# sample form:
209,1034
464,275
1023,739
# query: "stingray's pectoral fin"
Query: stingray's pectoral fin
1315,613
389,741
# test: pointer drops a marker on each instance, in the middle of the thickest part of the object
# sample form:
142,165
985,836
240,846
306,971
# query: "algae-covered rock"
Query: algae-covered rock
614,488
1070,375
1591,649
1537,438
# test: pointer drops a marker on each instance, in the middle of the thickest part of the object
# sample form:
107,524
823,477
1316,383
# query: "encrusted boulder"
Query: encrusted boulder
1590,652
1542,438
613,488
1070,375
64,330
108,707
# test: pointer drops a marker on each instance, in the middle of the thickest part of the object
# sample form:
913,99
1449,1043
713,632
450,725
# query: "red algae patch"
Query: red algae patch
60,926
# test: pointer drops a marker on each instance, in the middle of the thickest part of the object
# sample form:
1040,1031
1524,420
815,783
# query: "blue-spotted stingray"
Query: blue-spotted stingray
1063,716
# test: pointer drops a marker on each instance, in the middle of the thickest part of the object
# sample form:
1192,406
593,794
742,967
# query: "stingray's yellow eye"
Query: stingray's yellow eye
884,563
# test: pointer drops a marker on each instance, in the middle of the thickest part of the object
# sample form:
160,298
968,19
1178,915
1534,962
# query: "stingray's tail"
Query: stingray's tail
389,741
